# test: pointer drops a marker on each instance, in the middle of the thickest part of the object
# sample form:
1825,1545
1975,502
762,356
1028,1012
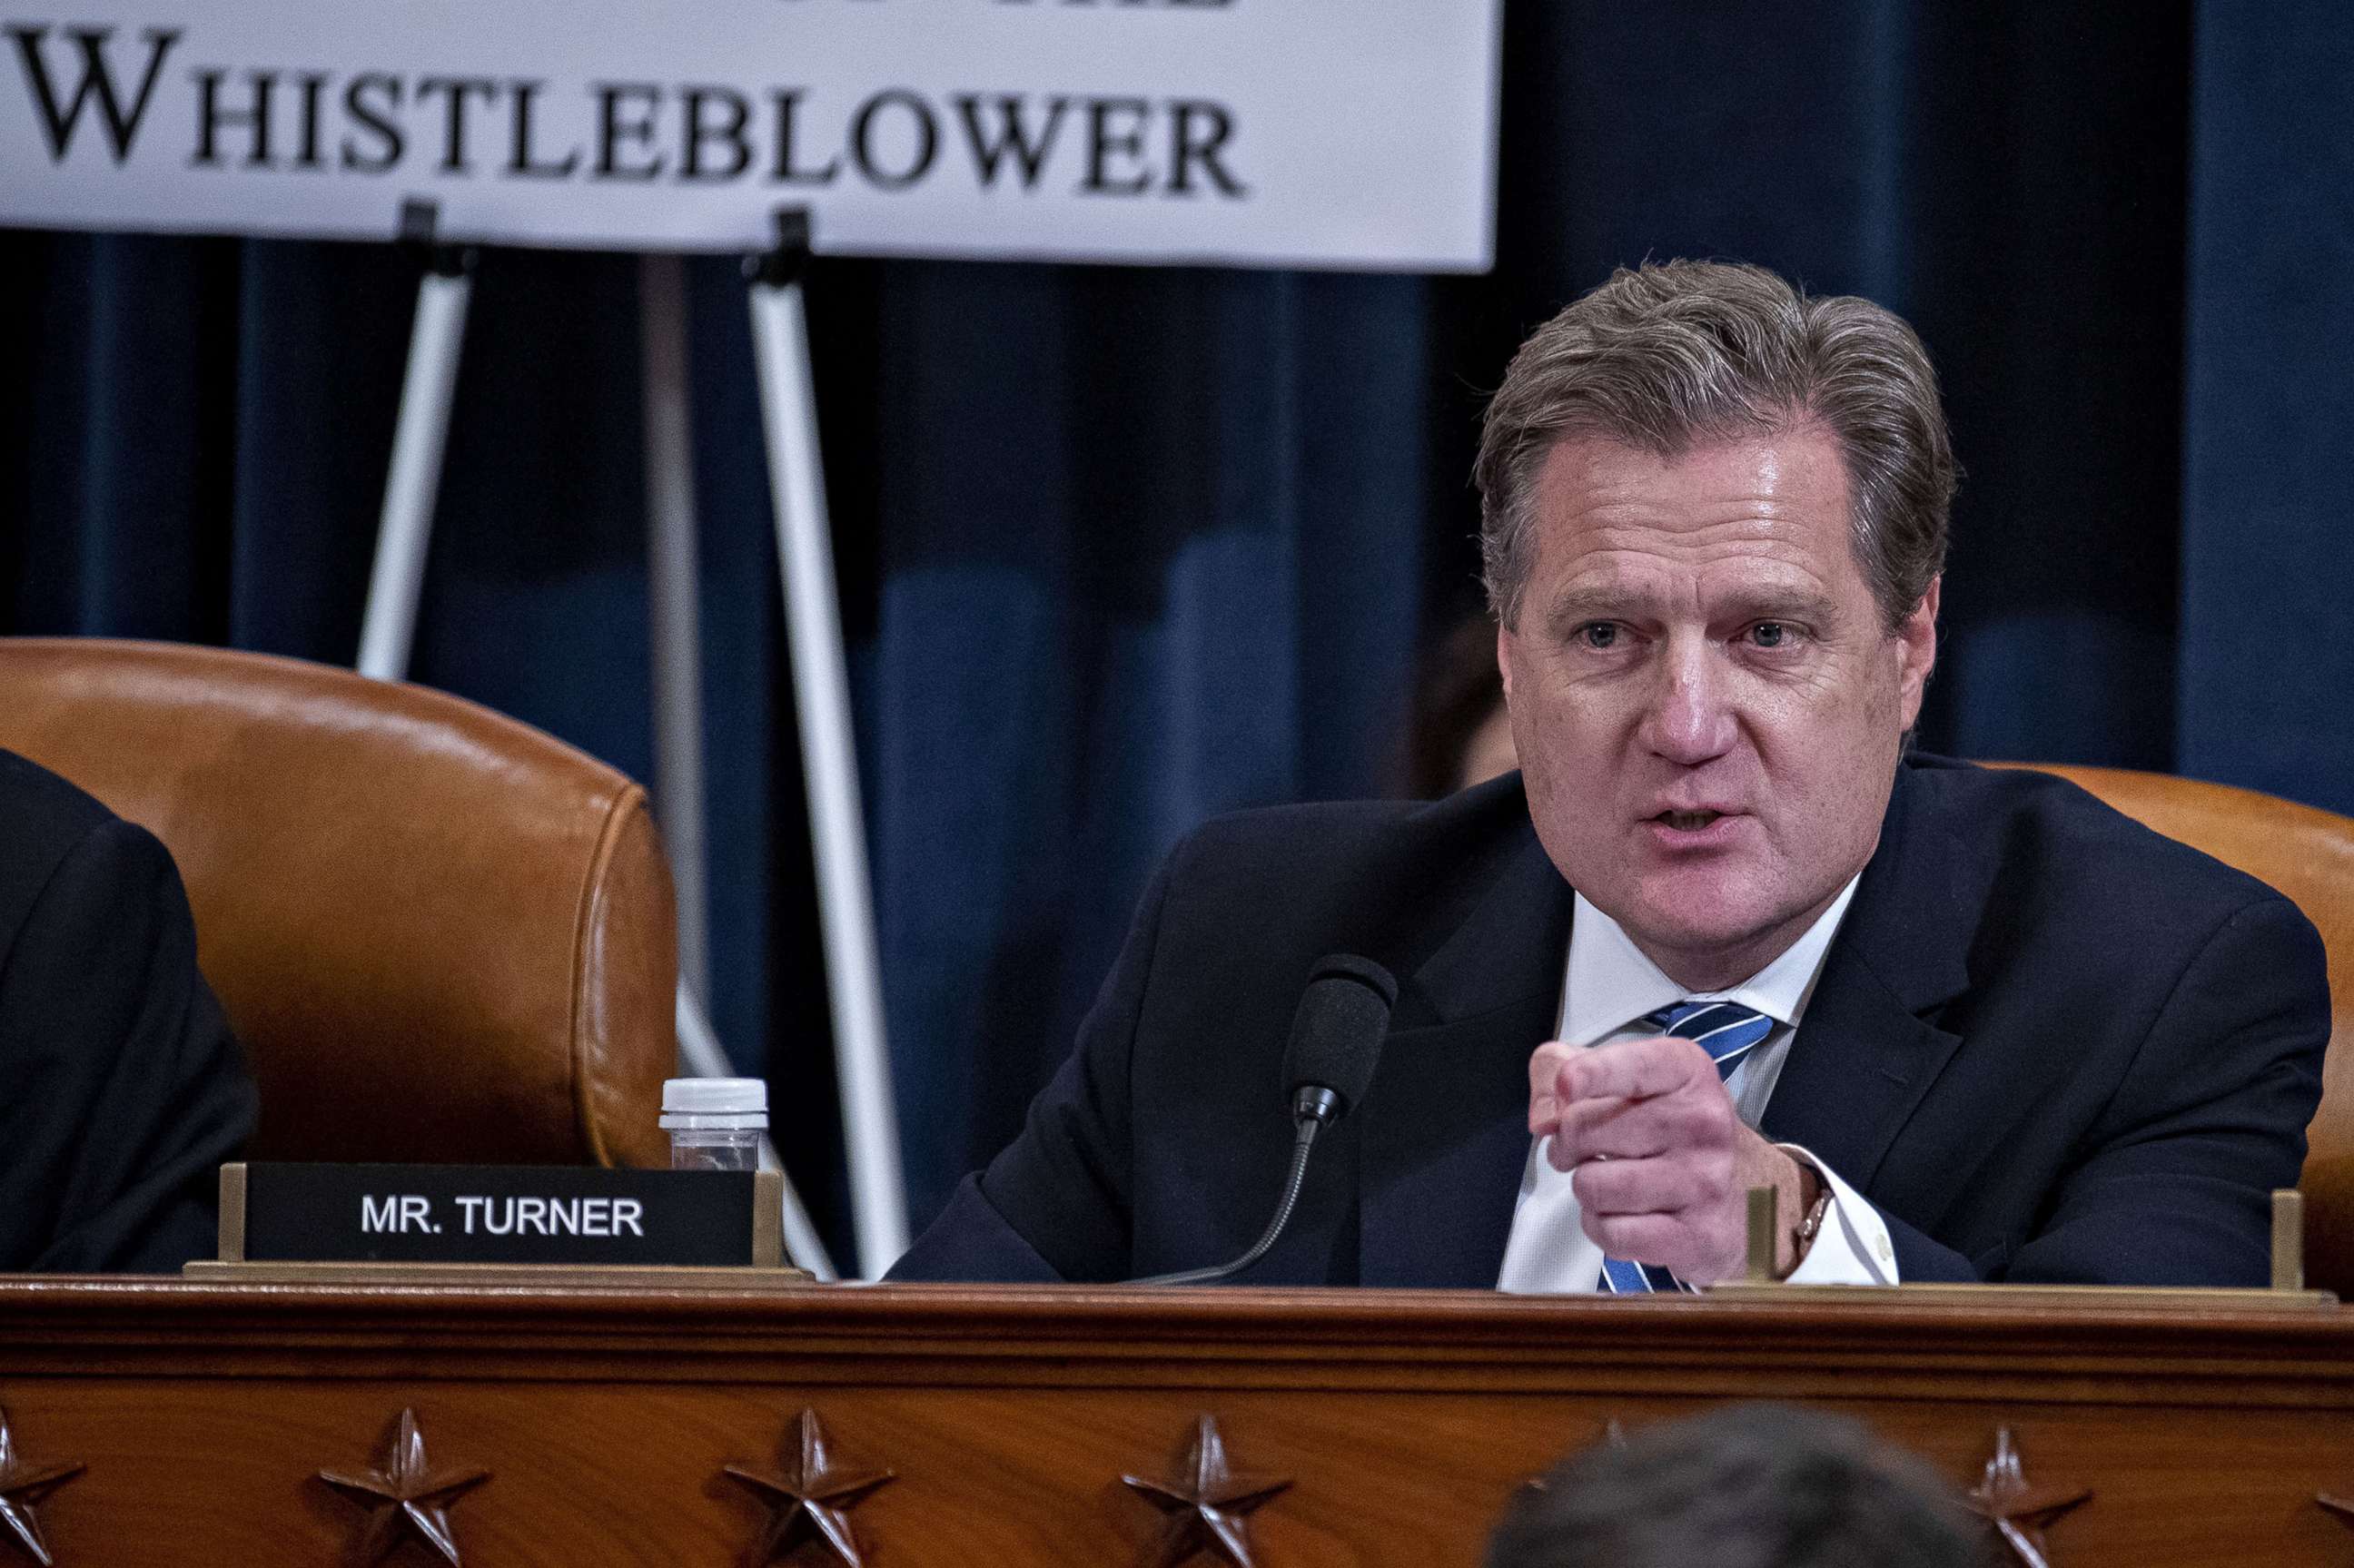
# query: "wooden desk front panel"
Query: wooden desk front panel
1402,1421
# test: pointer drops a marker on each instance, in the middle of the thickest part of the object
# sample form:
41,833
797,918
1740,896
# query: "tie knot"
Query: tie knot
1725,1030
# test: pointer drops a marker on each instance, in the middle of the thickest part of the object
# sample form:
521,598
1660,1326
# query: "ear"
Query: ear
1917,652
1504,660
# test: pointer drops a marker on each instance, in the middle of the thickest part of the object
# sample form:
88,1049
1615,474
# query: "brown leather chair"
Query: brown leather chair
441,935
2308,854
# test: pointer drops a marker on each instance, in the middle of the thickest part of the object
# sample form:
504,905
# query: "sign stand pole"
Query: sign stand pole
404,540
829,754
428,389
673,602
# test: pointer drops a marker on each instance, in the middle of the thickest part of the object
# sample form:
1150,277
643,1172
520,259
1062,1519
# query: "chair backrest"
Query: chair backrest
441,935
2308,854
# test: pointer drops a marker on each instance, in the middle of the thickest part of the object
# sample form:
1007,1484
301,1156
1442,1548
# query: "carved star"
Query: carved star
2020,1511
1206,1507
809,1499
407,1498
22,1486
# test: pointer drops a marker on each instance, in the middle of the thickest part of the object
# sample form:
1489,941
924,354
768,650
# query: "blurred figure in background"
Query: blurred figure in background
1459,734
1754,1486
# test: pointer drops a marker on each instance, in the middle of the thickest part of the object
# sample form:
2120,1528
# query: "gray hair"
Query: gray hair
1664,356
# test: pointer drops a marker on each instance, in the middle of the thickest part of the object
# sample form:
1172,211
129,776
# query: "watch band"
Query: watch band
1810,1224
1817,1212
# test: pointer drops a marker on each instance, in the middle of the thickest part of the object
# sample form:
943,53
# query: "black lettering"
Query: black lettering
96,79
454,135
783,172
991,147
211,117
1104,144
381,121
1188,149
311,82
698,132
519,161
862,139
613,131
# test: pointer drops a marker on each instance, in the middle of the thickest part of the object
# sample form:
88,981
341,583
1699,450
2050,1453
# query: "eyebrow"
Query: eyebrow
1574,607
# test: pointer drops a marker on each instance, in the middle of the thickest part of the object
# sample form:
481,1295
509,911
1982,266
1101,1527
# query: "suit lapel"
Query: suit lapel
1869,1048
1861,1063
1445,1126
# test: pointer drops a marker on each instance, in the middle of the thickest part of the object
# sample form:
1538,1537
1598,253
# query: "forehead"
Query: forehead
1748,511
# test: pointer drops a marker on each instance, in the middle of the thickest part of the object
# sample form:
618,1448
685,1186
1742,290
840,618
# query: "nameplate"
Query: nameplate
499,1214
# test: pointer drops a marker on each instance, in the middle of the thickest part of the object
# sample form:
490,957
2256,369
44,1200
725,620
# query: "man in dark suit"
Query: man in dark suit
121,1090
1721,933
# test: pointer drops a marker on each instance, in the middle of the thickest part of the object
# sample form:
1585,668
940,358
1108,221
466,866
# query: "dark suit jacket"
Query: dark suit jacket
121,1088
2047,1045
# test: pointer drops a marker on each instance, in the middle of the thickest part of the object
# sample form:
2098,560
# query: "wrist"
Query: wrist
1800,1206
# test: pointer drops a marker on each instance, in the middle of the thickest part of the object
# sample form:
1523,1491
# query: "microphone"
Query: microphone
1336,1038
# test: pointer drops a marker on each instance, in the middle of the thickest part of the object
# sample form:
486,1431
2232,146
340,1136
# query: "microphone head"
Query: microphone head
1336,1034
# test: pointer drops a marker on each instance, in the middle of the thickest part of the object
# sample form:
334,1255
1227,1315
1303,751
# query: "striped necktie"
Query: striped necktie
1728,1031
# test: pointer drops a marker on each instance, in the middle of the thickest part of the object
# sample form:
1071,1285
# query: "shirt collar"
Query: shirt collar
1610,983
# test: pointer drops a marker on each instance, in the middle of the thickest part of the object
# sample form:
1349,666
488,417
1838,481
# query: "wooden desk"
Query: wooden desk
203,1415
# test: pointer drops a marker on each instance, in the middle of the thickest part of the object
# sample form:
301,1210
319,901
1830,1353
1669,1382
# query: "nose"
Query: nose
1690,718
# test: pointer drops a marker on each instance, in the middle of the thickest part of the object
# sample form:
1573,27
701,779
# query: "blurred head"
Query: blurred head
1756,1486
1460,734
1715,519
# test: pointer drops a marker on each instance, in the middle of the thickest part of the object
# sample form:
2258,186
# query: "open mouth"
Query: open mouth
1687,822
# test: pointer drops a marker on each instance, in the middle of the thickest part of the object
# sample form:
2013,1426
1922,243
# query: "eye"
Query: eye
1598,635
1771,634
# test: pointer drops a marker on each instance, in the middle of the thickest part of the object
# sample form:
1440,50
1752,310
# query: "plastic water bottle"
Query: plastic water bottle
714,1124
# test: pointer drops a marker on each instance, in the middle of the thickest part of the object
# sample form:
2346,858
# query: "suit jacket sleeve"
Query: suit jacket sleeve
1055,1205
2208,1120
124,1089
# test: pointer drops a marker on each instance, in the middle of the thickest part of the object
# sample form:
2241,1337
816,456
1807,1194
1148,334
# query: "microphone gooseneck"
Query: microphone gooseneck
1336,1038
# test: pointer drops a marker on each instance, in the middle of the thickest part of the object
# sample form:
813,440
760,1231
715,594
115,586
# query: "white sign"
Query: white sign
1283,132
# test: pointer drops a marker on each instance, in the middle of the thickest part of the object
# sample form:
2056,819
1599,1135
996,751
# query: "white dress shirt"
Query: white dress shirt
1608,989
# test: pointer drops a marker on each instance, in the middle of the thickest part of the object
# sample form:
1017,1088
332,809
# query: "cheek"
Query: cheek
1831,762
1829,742
1565,733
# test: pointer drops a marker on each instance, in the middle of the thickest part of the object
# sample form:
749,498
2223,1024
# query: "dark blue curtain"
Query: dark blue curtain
2268,427
1121,548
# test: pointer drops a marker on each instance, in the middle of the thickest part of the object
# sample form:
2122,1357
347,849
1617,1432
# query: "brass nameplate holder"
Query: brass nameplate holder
2287,1292
500,1226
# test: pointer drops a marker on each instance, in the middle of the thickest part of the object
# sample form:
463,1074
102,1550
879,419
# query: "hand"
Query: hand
1659,1161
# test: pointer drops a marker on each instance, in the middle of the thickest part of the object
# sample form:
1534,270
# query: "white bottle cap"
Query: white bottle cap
715,1104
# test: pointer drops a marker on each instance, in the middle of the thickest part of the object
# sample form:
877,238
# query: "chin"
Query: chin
1688,919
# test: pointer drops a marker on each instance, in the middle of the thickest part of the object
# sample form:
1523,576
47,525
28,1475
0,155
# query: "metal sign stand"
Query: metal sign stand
405,530
813,627
829,754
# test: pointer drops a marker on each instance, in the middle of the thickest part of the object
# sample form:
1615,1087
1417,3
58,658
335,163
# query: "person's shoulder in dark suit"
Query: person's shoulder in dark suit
121,1089
1190,1024
2075,845
2141,1031
2096,904
1389,880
